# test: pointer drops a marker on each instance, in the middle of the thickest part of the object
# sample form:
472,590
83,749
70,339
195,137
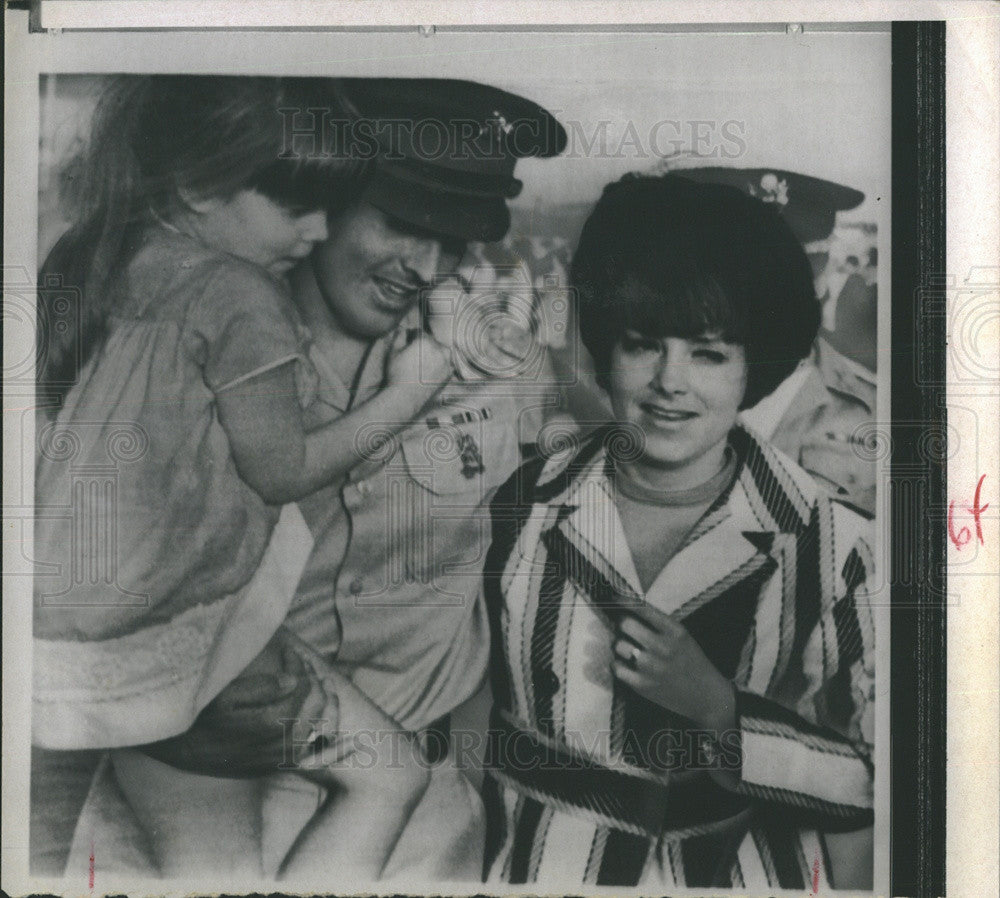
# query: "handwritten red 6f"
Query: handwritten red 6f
964,536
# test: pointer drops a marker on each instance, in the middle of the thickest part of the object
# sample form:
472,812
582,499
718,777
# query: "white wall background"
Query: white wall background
817,102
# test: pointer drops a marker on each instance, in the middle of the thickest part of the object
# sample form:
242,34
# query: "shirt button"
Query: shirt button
356,585
548,681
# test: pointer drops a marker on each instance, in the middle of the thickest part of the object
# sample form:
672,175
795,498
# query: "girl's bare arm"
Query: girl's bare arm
282,462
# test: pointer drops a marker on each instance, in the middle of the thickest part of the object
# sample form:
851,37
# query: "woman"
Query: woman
682,665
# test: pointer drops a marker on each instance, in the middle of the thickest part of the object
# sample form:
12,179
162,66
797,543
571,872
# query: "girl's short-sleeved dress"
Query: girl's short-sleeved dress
159,573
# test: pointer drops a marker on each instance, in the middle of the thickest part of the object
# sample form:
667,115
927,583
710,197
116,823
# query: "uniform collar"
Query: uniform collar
765,416
845,375
337,394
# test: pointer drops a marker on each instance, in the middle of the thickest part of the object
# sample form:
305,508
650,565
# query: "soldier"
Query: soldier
390,592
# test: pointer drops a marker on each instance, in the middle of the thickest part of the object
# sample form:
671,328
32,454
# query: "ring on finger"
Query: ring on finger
314,734
316,742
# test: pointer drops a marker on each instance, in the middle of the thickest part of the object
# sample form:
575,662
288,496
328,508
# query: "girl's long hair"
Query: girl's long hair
156,140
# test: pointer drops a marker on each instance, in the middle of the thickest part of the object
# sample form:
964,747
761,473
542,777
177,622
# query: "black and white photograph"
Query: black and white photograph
459,463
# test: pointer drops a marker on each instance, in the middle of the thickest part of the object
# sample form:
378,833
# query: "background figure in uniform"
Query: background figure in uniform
853,316
390,593
815,415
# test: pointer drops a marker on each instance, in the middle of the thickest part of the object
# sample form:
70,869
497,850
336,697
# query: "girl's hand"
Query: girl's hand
422,361
660,660
506,350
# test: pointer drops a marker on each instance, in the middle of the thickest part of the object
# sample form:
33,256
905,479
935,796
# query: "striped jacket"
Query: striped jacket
588,782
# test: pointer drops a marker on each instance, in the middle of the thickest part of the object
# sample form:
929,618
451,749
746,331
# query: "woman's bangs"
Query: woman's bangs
687,310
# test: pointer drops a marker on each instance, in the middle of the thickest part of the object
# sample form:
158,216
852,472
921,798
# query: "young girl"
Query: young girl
169,436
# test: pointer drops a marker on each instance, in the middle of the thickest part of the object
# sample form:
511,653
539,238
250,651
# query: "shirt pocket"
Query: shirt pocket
461,454
836,464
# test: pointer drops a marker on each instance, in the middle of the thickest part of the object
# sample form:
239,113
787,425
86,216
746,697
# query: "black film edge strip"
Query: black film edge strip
917,576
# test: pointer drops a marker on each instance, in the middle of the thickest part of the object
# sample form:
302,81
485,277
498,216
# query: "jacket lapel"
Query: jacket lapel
589,522
731,544
739,541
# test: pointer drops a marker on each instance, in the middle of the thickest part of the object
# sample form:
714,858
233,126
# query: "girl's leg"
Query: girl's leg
376,776
350,838
195,824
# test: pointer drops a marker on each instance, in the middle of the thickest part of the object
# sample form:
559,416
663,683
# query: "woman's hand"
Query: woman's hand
657,657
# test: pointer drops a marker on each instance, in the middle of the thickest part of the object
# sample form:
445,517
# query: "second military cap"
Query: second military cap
809,205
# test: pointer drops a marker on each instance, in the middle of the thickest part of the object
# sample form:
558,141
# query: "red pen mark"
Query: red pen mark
91,878
964,536
961,537
816,869
977,510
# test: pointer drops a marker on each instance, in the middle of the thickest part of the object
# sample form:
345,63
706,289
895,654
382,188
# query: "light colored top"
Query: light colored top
766,414
657,523
822,416
145,534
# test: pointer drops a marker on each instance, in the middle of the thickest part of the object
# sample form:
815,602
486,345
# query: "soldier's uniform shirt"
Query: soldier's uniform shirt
391,590
817,417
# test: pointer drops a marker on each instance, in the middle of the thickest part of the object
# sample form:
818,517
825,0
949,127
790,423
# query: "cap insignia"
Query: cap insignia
771,190
497,124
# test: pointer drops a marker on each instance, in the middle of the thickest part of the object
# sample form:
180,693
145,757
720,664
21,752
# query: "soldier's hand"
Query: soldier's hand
420,361
259,723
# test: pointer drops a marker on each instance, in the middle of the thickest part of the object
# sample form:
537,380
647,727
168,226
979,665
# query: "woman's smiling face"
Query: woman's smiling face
684,395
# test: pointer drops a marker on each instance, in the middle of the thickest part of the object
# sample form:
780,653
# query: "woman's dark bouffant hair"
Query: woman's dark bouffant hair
666,256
